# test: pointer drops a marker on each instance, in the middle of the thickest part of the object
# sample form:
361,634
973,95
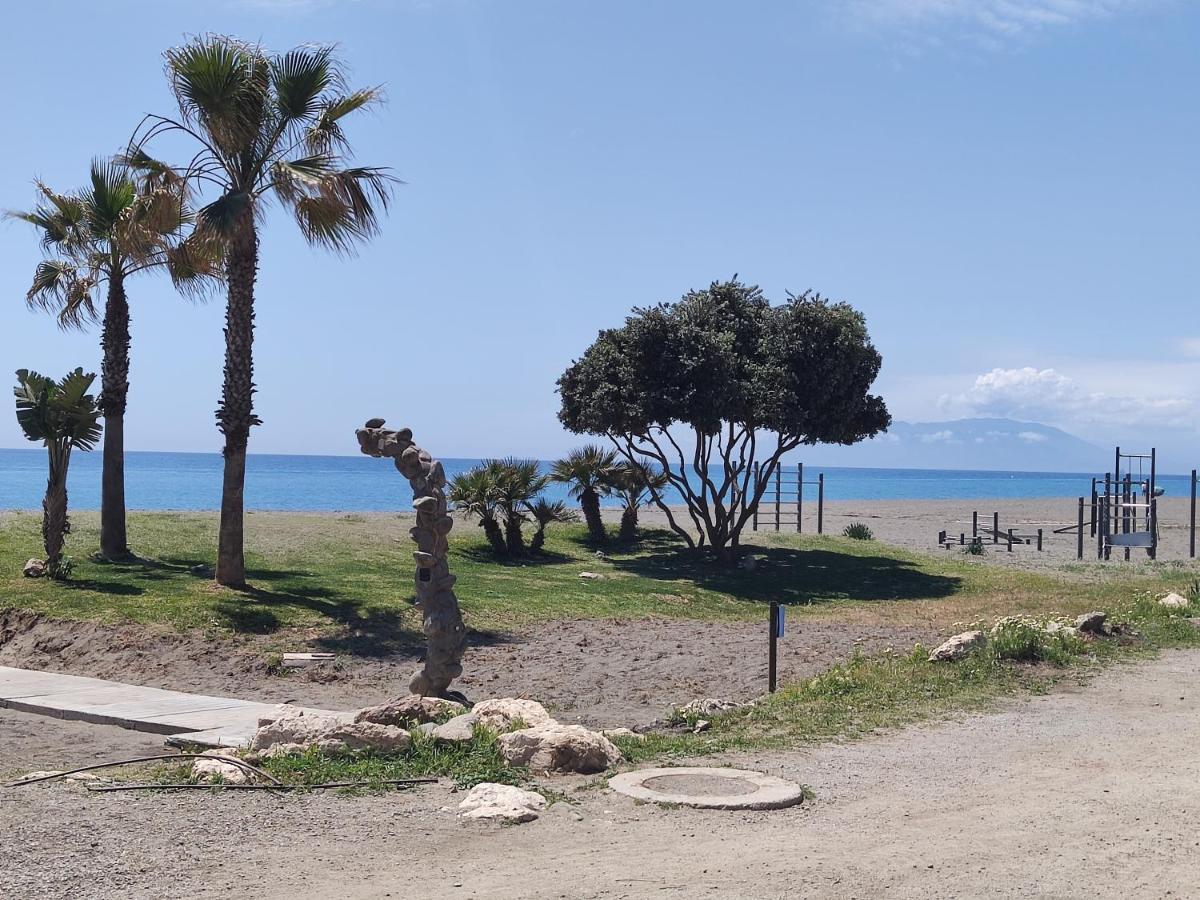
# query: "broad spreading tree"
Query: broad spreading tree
719,385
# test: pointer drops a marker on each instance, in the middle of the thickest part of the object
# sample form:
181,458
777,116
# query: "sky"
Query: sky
1008,189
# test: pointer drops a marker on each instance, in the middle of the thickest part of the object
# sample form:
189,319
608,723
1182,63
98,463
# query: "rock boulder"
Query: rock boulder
501,802
506,712
552,747
406,712
958,646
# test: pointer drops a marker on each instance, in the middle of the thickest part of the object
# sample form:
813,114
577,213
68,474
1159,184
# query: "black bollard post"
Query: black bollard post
772,652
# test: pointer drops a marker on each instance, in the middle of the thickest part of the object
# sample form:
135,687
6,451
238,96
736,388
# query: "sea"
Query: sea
192,481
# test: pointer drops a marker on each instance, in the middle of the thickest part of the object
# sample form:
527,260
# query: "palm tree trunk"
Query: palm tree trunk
538,541
55,524
114,392
512,536
589,500
235,416
629,522
495,537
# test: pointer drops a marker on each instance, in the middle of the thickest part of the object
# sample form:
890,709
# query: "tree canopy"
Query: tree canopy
749,380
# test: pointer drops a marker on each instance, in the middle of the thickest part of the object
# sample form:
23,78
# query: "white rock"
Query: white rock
458,730
958,646
1056,627
503,713
77,776
1093,622
1174,601
34,568
552,747
215,770
296,730
408,711
503,802
590,576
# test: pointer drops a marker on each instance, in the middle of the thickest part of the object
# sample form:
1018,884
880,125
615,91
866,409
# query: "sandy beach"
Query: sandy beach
915,524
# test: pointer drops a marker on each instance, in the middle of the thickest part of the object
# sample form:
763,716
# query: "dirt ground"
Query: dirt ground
1088,792
603,673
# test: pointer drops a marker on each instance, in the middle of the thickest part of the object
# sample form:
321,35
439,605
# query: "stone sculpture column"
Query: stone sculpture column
445,634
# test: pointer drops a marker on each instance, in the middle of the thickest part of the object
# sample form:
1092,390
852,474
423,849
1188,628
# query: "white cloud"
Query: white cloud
1031,437
993,20
1189,346
1046,395
934,437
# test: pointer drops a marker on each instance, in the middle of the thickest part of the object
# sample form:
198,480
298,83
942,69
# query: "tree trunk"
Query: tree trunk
629,523
114,392
55,524
495,537
538,540
512,536
590,501
235,416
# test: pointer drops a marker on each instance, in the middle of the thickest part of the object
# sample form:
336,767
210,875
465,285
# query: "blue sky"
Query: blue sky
1007,188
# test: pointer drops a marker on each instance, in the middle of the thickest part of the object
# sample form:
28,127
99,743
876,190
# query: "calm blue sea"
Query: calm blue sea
193,481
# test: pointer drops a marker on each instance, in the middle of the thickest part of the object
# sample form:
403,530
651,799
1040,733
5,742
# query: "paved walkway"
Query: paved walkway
208,721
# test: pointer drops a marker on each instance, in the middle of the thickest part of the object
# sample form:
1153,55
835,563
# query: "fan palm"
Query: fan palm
545,512
635,484
588,471
115,227
64,417
518,483
266,126
474,493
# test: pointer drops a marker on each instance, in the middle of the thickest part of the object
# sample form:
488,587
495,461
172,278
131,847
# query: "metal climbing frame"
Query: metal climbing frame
782,503
1126,512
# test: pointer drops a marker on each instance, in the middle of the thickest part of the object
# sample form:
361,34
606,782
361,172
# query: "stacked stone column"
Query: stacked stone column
445,634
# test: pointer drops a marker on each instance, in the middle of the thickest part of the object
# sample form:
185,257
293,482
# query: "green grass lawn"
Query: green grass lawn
353,573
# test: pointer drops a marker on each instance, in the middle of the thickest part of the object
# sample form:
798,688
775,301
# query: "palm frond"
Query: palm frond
220,216
300,77
64,289
326,133
109,197
194,264
223,84
336,209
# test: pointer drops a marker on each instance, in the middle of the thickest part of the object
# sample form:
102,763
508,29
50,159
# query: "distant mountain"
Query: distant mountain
969,444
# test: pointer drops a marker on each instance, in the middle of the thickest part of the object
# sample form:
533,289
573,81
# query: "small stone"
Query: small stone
958,646
458,730
1092,623
201,570
1056,627
701,725
1174,601
504,713
375,423
552,747
34,568
215,770
501,802
590,576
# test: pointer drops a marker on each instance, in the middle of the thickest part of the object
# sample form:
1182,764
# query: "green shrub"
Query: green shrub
858,531
975,548
1024,639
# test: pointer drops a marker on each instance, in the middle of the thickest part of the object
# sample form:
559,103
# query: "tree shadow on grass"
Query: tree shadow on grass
482,553
116,588
792,575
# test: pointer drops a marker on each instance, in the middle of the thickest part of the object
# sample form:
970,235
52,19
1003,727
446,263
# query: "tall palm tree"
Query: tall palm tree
635,484
120,224
64,417
266,125
588,471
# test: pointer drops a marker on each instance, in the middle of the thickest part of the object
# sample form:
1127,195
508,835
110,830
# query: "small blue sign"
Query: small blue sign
779,620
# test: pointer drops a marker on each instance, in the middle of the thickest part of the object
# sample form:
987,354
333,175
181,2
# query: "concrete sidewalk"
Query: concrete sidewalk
203,720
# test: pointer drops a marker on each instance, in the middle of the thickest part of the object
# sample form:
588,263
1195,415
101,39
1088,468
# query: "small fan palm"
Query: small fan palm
267,126
588,470
636,484
115,227
546,512
64,417
474,493
518,483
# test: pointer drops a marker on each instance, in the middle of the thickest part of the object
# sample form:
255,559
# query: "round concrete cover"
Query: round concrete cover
707,788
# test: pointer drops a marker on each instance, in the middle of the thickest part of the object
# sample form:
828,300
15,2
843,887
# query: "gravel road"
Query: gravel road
1088,792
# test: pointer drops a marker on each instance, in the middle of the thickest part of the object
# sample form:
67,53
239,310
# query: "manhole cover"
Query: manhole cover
708,788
